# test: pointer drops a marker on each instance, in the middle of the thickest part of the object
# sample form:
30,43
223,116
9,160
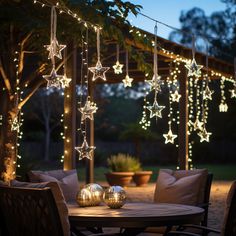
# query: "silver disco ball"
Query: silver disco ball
114,197
90,195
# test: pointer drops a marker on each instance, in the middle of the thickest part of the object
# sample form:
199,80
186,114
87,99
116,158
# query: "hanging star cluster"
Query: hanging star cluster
118,67
193,68
85,151
55,50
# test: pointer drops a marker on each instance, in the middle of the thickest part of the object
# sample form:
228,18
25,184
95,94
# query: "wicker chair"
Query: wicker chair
29,212
229,225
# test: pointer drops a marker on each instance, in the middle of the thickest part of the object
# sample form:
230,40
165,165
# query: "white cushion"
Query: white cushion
67,180
180,187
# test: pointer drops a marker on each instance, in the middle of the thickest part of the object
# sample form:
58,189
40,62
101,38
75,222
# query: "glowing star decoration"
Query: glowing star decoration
118,68
53,79
127,81
233,92
65,81
198,125
204,135
155,110
207,93
99,71
175,96
169,137
223,107
155,83
85,151
55,49
15,126
193,68
88,110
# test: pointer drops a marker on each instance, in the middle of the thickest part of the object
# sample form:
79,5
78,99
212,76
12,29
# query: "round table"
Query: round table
135,215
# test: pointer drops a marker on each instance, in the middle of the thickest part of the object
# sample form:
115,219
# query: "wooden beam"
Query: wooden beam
183,120
70,111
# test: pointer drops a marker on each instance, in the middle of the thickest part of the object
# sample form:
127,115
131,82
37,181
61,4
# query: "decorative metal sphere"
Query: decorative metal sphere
90,195
114,197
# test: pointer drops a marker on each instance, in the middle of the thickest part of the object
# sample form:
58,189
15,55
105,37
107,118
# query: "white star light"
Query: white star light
204,135
99,71
53,79
118,68
55,49
198,125
155,110
207,93
155,83
88,110
223,107
15,126
193,68
65,81
127,81
169,137
175,96
85,151
233,92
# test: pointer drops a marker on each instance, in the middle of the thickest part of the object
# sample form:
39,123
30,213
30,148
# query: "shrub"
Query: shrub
123,163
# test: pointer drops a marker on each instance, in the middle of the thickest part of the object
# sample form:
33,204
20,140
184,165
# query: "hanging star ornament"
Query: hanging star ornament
198,125
55,49
175,96
53,79
88,110
16,124
65,81
204,135
193,68
118,68
223,107
169,137
155,110
127,81
99,71
85,151
207,93
155,83
233,92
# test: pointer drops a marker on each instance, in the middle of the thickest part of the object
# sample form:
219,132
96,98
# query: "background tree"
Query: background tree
46,107
24,28
218,28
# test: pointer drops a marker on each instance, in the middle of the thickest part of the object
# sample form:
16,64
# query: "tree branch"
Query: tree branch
5,78
22,103
21,55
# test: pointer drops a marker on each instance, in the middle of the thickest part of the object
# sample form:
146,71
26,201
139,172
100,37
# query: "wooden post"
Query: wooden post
70,110
183,120
90,163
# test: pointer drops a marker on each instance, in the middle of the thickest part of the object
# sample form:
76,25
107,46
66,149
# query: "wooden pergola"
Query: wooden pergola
221,68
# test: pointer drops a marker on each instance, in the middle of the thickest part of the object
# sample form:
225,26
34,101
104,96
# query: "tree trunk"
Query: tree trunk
8,138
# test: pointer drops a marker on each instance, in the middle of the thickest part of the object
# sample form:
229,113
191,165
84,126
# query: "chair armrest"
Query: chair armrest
203,228
181,233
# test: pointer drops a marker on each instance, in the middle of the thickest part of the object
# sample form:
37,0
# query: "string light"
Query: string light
127,81
118,67
223,107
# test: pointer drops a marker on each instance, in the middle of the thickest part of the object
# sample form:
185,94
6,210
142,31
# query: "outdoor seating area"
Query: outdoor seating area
117,118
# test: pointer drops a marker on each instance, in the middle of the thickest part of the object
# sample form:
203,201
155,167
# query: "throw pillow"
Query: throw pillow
179,187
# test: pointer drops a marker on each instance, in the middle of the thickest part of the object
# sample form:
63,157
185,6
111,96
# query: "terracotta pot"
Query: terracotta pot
119,178
141,178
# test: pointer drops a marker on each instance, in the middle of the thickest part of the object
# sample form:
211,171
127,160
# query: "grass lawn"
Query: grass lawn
220,172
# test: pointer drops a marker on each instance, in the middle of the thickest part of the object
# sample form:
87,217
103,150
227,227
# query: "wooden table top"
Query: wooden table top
135,214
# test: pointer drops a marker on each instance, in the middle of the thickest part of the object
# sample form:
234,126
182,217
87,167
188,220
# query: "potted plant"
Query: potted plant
122,168
142,177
